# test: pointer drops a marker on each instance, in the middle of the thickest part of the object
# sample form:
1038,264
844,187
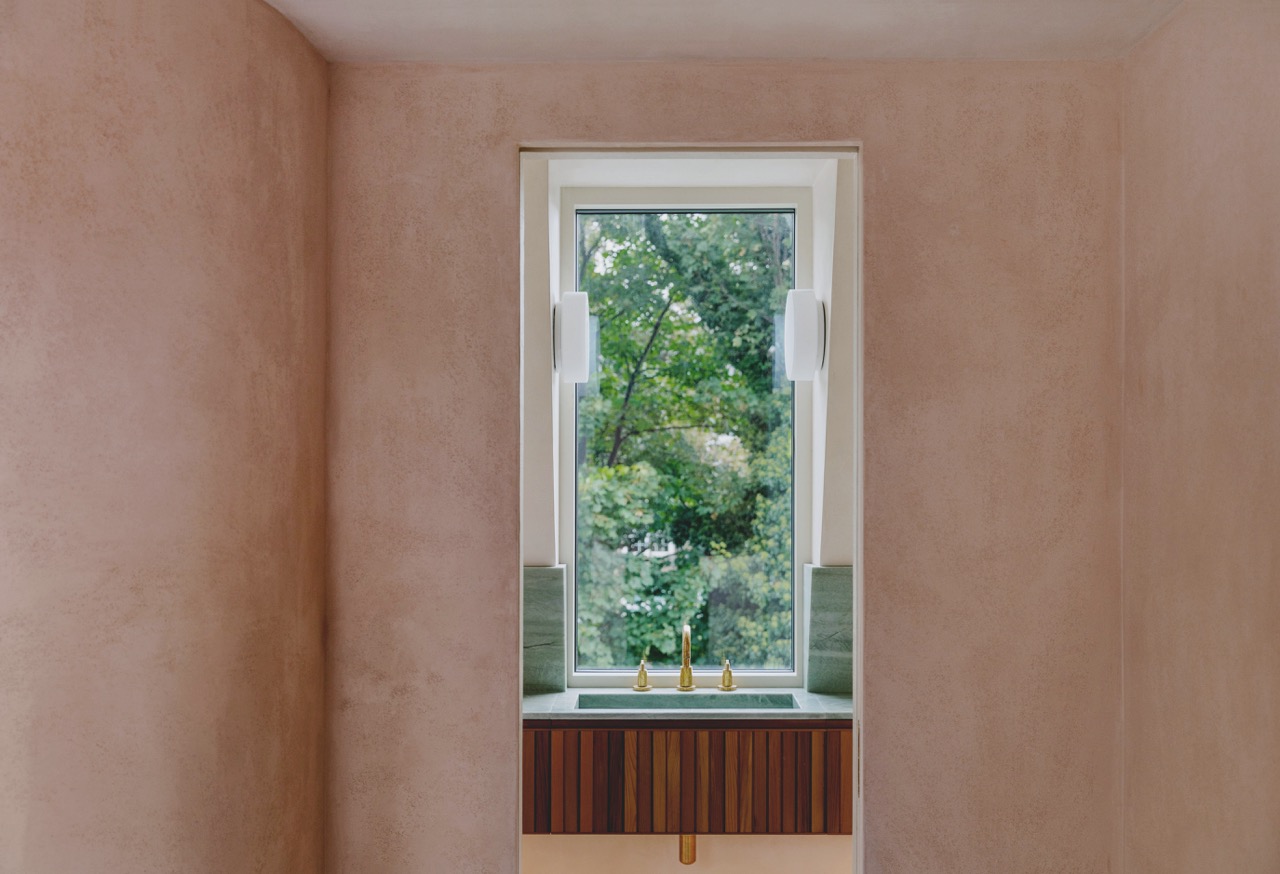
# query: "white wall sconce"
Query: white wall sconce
571,329
805,335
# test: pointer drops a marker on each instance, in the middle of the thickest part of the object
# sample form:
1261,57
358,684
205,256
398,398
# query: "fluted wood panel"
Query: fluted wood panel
783,779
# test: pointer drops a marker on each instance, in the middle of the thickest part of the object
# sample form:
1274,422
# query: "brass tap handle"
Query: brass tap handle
686,670
642,679
726,678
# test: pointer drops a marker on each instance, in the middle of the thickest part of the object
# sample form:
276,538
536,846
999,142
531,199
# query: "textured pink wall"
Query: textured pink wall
162,313
993,412
1202,443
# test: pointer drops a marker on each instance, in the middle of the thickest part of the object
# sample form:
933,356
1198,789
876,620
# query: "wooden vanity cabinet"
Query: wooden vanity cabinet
758,777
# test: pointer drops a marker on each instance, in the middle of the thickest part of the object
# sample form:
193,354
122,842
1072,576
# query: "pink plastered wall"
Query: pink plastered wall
1202,443
162,449
992,221
162,465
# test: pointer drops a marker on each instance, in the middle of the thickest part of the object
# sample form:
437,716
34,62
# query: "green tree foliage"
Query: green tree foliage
684,441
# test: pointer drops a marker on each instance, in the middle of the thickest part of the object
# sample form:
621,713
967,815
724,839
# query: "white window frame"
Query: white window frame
708,179
799,200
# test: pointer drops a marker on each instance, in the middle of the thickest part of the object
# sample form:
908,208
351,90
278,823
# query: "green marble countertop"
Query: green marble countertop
668,704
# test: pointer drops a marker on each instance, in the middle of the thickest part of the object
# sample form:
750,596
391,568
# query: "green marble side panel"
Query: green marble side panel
828,597
544,652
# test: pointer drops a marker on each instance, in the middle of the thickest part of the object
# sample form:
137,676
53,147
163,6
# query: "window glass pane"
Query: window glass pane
684,441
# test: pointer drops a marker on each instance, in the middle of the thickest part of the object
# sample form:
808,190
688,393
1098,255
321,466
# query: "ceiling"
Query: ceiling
587,30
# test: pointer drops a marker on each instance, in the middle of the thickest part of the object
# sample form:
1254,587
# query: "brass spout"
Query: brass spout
686,670
688,849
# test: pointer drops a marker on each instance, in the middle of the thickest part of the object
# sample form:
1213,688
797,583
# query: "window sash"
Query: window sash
798,200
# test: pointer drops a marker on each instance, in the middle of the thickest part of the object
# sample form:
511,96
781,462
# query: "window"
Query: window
682,439
681,484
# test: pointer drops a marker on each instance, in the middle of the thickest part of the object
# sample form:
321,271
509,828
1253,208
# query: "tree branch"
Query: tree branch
588,252
618,434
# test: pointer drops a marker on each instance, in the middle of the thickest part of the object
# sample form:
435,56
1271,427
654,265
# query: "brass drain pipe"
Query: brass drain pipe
688,849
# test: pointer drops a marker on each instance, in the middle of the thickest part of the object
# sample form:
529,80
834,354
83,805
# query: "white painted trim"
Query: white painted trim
859,459
689,169
538,423
792,179
797,199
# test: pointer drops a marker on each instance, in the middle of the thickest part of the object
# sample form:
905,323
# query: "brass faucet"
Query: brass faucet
726,679
686,670
642,679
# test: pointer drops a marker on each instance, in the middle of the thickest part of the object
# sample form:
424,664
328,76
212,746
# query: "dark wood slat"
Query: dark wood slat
556,778
542,782
659,781
644,782
817,785
586,782
571,756
846,782
746,781
731,772
719,795
688,782
775,782
617,782
760,791
704,782
629,789
804,777
600,774
673,782
788,777
833,782
527,783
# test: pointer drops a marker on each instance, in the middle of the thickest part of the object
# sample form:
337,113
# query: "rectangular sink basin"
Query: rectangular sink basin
687,701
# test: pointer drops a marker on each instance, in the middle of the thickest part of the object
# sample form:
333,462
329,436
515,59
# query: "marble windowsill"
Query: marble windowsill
564,705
